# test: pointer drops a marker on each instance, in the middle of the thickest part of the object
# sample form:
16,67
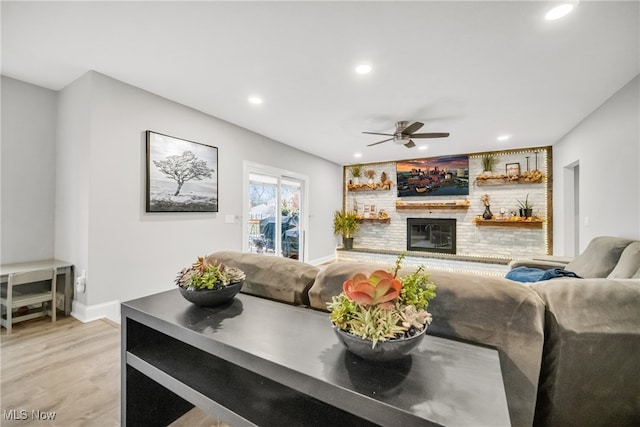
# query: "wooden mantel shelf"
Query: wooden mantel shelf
386,220
532,224
481,182
456,204
378,186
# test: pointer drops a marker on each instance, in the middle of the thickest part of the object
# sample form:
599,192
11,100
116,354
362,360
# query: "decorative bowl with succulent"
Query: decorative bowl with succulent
386,312
209,283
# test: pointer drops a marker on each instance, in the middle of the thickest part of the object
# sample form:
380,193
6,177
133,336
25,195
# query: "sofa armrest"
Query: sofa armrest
536,263
590,366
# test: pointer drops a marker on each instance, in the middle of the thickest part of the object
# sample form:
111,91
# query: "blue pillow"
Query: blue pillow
529,274
525,274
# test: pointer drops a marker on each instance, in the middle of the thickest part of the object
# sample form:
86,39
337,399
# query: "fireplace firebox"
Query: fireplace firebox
431,235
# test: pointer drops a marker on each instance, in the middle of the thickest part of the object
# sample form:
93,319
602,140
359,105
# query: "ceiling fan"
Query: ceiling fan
404,132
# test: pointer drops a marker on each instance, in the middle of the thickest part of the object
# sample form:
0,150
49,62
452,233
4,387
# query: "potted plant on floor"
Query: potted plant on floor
346,223
209,283
382,316
526,207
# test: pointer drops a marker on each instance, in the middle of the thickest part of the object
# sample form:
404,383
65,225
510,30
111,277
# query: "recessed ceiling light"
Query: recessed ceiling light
357,155
558,12
363,69
504,137
255,99
422,147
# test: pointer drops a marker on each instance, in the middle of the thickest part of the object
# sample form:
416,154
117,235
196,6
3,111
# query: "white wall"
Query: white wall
606,145
28,171
132,253
72,176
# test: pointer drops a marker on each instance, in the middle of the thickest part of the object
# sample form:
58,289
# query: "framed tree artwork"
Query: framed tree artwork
182,176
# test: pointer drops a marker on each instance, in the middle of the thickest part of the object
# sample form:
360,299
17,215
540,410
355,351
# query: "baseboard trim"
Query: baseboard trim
84,313
323,260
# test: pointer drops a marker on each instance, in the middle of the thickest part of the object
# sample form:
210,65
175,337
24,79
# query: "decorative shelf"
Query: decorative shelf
369,187
375,220
520,223
459,204
481,182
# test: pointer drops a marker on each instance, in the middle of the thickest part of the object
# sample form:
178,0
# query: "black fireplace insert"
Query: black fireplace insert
431,235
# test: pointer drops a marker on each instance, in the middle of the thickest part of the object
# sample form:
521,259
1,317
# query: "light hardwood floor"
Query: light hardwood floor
68,368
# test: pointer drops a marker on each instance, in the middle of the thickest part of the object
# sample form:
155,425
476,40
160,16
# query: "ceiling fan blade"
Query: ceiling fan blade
410,144
412,128
379,142
377,133
430,135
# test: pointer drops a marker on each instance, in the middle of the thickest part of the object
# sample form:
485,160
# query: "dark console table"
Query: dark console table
260,362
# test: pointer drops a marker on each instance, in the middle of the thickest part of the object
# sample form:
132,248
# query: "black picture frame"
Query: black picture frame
512,169
182,175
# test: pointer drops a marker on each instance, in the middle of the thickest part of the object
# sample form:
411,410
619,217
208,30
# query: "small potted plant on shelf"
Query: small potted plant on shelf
209,283
346,223
356,173
370,173
526,207
489,161
382,316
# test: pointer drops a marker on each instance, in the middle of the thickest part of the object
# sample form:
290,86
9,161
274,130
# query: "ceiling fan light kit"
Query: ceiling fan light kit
405,132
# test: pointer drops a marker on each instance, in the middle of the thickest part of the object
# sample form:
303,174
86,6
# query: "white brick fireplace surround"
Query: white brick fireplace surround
499,242
459,263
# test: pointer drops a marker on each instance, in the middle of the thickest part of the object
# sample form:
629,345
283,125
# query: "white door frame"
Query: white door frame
252,167
571,205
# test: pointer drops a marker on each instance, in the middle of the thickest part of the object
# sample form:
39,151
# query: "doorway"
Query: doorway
275,210
572,209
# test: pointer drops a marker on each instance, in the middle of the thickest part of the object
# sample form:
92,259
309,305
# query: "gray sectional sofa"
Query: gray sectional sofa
591,361
569,348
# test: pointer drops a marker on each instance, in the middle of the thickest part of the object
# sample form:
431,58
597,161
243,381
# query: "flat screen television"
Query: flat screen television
433,176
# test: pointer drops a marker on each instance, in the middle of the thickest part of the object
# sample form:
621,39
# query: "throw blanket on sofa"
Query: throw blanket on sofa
529,274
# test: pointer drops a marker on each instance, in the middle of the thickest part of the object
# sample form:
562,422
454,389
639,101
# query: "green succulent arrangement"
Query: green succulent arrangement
208,274
382,306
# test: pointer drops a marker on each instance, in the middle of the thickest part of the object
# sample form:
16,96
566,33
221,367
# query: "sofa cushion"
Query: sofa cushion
500,313
280,279
590,370
629,263
331,277
599,258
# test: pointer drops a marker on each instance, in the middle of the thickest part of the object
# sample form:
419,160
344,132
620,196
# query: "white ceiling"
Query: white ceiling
475,69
